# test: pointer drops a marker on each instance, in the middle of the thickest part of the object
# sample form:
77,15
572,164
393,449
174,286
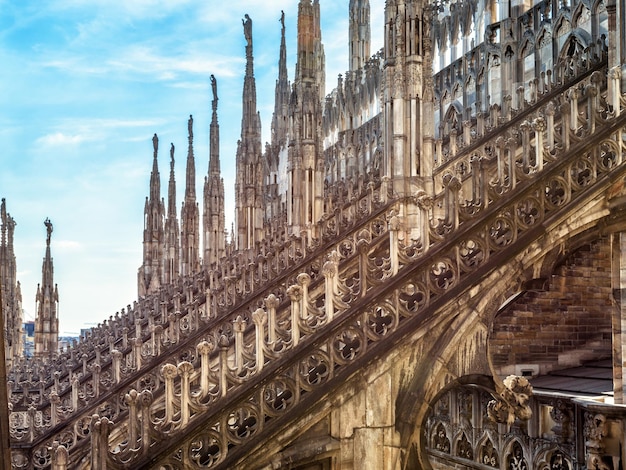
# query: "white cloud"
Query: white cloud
188,85
142,59
58,139
75,65
67,246
124,9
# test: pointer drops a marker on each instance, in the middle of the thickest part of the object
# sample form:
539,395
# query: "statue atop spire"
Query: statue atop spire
213,216
149,275
3,220
247,29
190,217
47,299
250,179
214,89
171,242
247,32
49,229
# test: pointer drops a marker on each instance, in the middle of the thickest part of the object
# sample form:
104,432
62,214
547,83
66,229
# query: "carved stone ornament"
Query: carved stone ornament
594,431
398,84
511,401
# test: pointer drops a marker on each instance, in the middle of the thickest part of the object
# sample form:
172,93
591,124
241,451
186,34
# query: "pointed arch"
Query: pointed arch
457,90
439,438
463,447
515,457
488,454
469,79
494,60
453,117
576,44
543,37
562,26
527,47
552,458
581,16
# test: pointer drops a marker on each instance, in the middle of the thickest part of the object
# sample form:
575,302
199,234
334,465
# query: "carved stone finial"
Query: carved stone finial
205,347
185,368
294,292
145,398
303,279
131,397
271,301
259,317
539,124
329,268
239,324
169,371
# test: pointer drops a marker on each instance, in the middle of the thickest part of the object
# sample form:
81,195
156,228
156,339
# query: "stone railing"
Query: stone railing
245,379
562,432
178,315
470,133
144,326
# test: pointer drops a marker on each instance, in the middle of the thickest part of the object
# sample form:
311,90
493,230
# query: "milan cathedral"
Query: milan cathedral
427,268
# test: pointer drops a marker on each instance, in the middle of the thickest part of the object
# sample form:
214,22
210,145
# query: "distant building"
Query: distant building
29,338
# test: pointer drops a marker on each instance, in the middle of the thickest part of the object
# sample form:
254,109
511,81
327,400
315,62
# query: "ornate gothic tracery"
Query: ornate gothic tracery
409,198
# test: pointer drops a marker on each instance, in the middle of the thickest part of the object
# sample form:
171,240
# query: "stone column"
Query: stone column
259,317
619,314
239,327
330,272
205,348
295,295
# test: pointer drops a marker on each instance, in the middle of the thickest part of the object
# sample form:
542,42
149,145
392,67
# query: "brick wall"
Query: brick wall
565,325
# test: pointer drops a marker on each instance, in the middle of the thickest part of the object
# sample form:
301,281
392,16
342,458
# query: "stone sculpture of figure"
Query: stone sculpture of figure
172,152
282,19
190,126
214,87
48,225
247,29
155,143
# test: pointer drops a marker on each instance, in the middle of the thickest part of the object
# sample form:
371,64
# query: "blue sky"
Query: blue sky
84,86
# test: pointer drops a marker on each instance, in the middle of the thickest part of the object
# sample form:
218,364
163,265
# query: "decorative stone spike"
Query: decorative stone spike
239,326
259,317
145,400
330,271
131,399
169,373
271,302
